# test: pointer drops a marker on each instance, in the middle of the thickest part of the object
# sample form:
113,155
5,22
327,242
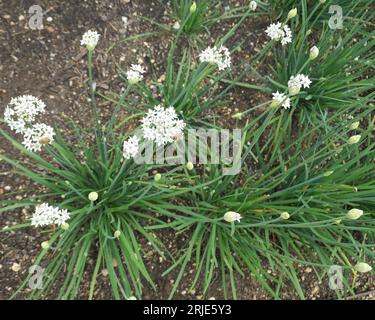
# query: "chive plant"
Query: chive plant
100,189
305,192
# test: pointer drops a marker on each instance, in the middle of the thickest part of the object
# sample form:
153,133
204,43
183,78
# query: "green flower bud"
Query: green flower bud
193,7
93,196
354,139
45,245
354,214
190,166
292,13
354,125
362,267
314,52
285,215
294,90
65,226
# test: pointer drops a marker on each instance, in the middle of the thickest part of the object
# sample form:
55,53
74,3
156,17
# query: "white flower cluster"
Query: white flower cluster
281,99
135,73
295,83
46,215
90,39
38,135
219,56
20,114
21,111
130,148
162,125
278,32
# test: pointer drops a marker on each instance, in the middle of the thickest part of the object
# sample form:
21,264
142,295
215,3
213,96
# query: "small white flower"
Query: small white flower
46,215
90,39
253,5
219,56
135,73
131,147
37,136
362,267
295,83
354,214
279,33
287,37
22,111
305,81
162,125
232,216
281,99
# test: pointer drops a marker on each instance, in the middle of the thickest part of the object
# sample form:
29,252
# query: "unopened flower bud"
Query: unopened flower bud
232,216
132,298
354,139
117,234
45,245
253,5
354,125
65,226
238,115
314,52
193,7
362,267
327,174
354,214
294,90
157,177
275,103
292,13
285,215
176,25
93,196
190,166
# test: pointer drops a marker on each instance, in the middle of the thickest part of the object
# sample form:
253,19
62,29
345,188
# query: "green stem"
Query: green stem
98,133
